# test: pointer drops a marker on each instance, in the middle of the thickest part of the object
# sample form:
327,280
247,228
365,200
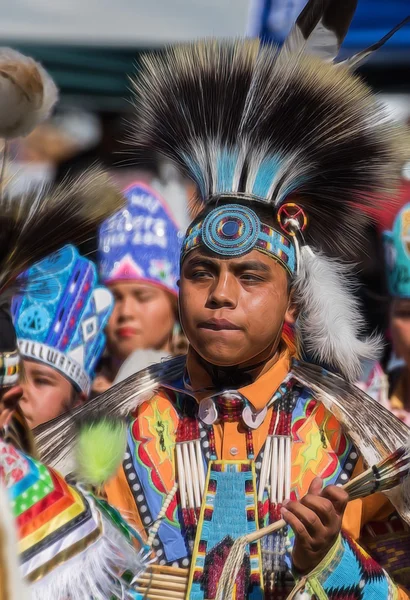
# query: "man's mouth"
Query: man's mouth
219,325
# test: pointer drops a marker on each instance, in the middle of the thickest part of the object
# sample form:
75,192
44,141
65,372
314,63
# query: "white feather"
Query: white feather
329,322
27,94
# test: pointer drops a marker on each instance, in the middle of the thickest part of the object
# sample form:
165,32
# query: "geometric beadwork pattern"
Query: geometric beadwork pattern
354,575
388,542
229,510
53,520
71,544
60,319
141,241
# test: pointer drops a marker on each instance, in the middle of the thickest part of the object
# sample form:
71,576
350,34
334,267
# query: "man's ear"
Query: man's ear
291,313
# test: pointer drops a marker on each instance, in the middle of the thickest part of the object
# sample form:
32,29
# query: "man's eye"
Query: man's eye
250,277
200,274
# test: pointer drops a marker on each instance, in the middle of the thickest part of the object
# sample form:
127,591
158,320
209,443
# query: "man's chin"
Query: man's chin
220,358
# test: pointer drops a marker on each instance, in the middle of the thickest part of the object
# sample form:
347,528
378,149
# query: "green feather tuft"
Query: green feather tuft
100,450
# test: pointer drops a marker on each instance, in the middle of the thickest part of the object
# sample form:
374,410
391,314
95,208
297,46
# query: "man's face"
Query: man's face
400,328
46,393
232,310
143,317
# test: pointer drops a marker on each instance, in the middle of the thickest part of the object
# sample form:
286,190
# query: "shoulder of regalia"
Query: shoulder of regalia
362,417
375,432
93,535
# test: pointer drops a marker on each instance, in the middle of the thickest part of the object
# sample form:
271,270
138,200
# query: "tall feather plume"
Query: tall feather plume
55,440
321,28
357,59
39,222
248,121
330,324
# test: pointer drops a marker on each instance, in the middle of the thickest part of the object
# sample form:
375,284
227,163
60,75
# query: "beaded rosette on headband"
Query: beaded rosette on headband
287,128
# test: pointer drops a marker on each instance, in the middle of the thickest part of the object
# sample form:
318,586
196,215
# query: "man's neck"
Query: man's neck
236,376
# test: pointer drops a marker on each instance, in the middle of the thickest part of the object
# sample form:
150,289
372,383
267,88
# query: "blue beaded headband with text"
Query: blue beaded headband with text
234,230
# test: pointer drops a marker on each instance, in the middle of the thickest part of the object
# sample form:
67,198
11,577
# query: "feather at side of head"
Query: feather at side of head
330,324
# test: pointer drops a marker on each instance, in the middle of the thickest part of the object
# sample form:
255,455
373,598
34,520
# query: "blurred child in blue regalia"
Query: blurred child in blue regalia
139,263
60,323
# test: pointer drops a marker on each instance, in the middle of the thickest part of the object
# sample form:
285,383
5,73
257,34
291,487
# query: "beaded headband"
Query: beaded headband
235,230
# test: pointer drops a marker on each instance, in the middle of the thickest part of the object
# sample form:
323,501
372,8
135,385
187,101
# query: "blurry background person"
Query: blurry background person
397,247
59,323
139,263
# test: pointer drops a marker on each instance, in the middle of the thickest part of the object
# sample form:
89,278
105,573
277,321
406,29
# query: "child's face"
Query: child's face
143,317
400,328
46,393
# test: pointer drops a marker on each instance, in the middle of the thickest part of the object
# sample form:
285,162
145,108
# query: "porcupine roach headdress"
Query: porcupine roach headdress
290,129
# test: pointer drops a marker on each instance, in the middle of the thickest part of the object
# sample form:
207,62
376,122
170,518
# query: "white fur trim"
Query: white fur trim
329,322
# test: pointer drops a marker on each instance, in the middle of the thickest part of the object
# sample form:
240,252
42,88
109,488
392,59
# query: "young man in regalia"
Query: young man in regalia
286,149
